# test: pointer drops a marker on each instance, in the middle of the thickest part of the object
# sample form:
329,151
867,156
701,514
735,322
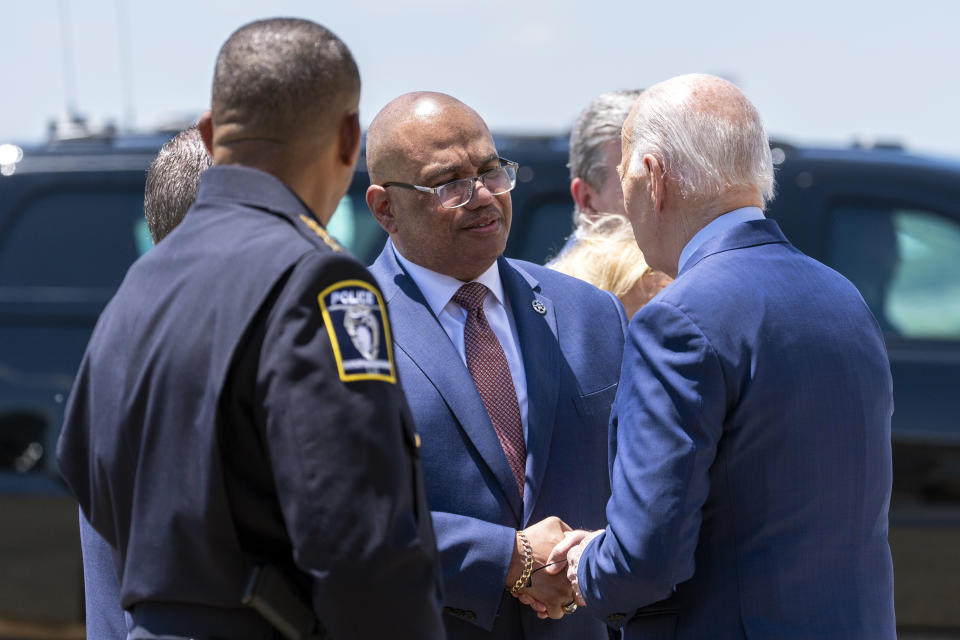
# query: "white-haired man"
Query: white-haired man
752,475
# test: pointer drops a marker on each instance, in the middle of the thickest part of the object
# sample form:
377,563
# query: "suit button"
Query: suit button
616,617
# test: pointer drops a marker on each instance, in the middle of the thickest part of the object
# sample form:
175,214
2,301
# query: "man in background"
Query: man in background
595,154
236,423
171,188
601,250
752,476
173,180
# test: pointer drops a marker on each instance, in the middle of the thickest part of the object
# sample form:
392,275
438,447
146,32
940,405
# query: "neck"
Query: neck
306,170
694,214
463,272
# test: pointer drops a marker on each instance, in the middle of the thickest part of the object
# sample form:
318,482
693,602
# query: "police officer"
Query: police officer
237,412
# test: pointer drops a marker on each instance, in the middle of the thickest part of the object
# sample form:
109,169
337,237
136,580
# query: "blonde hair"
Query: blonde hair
605,254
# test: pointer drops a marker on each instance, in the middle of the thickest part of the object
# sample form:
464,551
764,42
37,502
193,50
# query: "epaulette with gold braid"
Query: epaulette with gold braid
320,231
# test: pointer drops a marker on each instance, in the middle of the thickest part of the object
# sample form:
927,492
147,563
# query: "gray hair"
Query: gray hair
281,75
597,125
706,150
172,182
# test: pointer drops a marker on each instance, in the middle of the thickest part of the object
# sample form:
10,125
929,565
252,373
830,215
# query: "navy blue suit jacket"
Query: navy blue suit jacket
752,468
572,358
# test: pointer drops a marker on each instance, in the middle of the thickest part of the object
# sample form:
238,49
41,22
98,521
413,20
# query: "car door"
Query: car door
894,230
66,240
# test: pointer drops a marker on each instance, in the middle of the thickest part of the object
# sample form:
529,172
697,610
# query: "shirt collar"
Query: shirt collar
715,227
438,288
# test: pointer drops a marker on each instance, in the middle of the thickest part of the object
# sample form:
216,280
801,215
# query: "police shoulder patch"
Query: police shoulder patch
356,321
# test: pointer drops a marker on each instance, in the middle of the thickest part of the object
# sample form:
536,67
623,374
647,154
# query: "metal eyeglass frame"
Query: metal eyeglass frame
504,164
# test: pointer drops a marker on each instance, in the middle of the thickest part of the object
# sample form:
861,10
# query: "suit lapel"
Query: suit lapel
537,334
417,332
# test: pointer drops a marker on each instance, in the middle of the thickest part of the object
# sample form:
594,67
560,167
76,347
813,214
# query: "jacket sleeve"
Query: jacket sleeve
621,315
668,416
475,558
343,456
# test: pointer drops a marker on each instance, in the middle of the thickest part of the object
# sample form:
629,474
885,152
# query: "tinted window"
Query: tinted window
72,239
61,256
355,228
38,359
542,228
905,262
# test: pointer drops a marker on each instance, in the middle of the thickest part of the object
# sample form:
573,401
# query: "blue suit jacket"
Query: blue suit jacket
752,467
572,358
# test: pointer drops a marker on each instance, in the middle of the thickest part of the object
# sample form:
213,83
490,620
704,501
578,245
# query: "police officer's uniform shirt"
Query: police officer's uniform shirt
438,290
238,404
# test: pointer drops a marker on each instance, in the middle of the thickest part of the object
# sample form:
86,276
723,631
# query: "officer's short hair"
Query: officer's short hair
282,74
172,182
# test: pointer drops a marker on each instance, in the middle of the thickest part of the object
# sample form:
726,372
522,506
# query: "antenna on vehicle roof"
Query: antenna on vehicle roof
71,125
66,49
126,67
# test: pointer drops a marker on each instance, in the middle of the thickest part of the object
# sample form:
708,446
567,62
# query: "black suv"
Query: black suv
71,222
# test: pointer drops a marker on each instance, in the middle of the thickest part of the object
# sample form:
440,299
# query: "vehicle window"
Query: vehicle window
142,237
905,262
21,441
546,226
72,239
355,228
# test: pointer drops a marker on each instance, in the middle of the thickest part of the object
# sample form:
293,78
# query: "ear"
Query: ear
583,195
205,126
657,182
382,209
349,139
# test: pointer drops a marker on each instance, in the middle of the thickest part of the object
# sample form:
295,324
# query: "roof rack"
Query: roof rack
878,143
75,127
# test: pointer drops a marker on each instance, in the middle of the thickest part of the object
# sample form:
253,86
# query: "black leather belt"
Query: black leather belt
655,610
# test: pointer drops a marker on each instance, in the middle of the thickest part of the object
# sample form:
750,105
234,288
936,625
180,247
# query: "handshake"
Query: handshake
543,570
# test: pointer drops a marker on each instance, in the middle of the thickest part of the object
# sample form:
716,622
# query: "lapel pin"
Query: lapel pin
539,308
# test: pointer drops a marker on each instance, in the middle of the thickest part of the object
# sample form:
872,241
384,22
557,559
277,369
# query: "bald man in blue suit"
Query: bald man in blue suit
441,191
752,470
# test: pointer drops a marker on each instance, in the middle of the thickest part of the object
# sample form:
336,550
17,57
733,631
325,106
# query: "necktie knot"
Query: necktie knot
470,296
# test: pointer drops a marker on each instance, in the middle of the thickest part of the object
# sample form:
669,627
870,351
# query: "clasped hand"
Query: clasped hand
556,552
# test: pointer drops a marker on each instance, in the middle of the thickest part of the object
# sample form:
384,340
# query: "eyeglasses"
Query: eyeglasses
457,193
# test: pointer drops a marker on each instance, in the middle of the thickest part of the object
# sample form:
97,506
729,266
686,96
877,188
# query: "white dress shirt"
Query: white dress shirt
438,290
715,227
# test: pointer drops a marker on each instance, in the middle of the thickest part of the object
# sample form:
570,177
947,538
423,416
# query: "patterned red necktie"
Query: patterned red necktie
491,375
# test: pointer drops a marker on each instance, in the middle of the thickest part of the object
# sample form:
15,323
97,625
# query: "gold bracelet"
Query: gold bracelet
527,563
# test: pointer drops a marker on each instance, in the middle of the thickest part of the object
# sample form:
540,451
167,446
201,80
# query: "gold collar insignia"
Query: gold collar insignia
320,231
